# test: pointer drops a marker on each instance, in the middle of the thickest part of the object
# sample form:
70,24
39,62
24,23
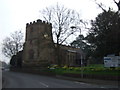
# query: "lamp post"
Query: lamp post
74,27
81,67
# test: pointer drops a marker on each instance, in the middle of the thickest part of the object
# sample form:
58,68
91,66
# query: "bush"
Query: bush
65,67
77,68
53,67
71,68
99,69
117,68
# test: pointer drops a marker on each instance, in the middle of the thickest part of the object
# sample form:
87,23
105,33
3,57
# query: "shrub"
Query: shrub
71,68
77,68
99,69
117,68
65,67
53,66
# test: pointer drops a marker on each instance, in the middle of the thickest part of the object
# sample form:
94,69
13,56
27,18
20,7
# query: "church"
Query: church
40,50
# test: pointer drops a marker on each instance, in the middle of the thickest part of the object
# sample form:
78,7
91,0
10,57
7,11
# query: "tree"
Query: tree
118,4
105,33
12,44
61,19
16,60
79,42
100,5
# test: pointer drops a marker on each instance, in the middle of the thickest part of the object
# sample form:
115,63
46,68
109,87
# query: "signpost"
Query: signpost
112,61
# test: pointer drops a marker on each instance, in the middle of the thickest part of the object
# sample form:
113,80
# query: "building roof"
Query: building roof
71,49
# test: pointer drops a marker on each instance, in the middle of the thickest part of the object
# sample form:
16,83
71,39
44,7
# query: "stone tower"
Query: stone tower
39,48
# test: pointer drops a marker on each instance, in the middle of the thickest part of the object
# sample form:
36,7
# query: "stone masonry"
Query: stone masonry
39,47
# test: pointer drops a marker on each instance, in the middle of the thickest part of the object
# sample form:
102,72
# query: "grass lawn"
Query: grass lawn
106,72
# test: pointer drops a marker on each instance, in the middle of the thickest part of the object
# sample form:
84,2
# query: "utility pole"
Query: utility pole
81,57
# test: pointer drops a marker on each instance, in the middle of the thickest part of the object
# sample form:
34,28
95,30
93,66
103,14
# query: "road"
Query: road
23,80
0,78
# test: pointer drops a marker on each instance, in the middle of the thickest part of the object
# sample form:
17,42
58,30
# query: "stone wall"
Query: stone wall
39,46
40,50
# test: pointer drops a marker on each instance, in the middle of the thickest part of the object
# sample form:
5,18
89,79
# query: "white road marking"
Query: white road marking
83,83
88,84
77,82
102,87
80,82
44,84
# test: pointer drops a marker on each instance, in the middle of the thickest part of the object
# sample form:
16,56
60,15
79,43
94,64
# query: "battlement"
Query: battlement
38,22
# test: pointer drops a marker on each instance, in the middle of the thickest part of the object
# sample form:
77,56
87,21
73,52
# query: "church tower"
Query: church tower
39,50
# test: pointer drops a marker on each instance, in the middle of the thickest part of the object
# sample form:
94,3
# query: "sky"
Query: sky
16,13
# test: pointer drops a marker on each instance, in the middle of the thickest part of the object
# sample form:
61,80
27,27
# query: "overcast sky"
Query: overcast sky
14,14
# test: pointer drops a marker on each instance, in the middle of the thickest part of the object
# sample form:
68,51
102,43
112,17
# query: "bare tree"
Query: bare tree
101,5
13,44
118,4
61,18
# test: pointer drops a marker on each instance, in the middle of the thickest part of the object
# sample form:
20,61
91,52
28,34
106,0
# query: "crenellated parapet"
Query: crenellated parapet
39,45
38,22
37,29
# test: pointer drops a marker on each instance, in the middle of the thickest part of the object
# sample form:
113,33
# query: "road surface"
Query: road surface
23,80
0,78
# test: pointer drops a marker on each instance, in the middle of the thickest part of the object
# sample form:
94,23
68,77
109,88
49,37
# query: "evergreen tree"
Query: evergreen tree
105,33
